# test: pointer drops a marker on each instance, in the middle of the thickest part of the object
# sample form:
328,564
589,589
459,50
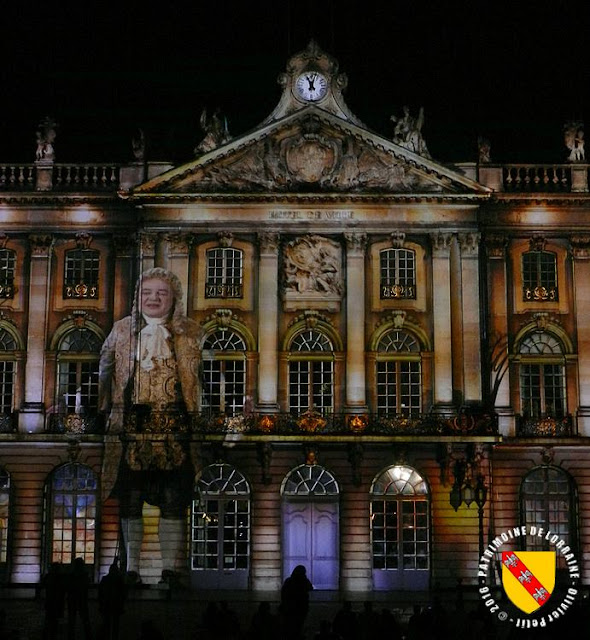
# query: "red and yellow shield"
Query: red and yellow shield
528,578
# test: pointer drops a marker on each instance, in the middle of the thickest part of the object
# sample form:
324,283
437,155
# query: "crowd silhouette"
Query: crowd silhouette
66,615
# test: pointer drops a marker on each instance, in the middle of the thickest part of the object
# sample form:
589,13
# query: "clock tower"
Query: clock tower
312,78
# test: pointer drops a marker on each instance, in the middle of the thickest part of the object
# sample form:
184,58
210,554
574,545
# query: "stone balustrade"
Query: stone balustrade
17,177
59,177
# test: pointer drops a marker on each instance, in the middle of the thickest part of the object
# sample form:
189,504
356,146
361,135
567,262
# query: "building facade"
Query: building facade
394,352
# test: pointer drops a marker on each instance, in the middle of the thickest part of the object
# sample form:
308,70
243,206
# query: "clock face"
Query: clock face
311,86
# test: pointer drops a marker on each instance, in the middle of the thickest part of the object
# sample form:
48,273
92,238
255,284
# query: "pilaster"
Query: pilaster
580,249
498,341
356,400
32,413
471,328
268,297
441,310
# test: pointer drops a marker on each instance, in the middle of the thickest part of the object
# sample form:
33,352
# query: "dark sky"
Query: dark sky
512,71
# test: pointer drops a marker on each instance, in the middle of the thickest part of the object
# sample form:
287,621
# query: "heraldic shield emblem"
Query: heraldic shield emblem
528,578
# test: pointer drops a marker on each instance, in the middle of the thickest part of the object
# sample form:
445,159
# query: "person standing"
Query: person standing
295,602
149,385
111,601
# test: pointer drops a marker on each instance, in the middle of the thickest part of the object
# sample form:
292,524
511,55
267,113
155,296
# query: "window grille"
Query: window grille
81,274
397,274
224,273
539,276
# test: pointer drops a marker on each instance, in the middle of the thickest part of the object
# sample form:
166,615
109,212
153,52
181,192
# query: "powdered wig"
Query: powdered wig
178,321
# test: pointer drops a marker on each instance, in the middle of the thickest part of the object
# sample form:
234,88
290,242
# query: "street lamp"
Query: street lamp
463,491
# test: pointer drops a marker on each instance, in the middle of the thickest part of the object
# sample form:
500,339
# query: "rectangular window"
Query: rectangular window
7,371
397,274
81,274
7,273
311,386
399,387
539,276
542,390
224,273
77,386
224,385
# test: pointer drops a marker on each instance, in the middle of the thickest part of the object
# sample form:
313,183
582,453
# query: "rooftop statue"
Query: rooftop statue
216,132
46,134
408,132
574,140
484,150
138,145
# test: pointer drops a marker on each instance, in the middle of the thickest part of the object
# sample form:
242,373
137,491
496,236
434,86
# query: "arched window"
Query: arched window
397,273
7,273
224,273
77,372
4,515
8,348
311,372
81,272
539,276
224,372
542,376
548,500
220,527
310,480
400,529
71,499
398,374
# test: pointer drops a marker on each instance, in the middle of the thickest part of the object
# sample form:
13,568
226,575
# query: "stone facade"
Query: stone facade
371,317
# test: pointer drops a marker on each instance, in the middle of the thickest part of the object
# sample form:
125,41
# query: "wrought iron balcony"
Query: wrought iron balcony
76,423
311,422
527,426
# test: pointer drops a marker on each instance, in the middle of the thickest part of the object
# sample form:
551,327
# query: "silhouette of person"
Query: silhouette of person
55,598
111,601
264,625
295,602
345,622
77,598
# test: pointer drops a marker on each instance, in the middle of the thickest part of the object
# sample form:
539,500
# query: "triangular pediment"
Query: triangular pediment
310,151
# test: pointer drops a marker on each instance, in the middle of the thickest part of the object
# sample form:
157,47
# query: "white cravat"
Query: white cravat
153,342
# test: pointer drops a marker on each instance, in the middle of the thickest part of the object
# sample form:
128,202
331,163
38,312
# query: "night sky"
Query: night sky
514,72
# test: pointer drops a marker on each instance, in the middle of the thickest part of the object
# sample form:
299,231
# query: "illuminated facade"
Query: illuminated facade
381,335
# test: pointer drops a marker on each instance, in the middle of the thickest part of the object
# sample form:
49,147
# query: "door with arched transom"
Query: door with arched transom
310,525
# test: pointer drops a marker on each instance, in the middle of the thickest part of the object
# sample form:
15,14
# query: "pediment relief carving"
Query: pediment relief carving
307,156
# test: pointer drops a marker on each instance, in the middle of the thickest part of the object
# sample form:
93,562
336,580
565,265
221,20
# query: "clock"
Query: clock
311,86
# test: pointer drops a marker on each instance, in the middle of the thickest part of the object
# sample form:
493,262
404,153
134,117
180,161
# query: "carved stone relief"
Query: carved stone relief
312,272
308,156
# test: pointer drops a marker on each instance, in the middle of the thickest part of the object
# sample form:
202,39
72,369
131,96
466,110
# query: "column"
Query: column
32,413
124,282
179,245
497,359
147,251
355,401
580,247
441,312
471,330
268,311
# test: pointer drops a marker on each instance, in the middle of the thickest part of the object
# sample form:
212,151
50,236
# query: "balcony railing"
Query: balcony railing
59,177
75,423
308,423
537,177
544,426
